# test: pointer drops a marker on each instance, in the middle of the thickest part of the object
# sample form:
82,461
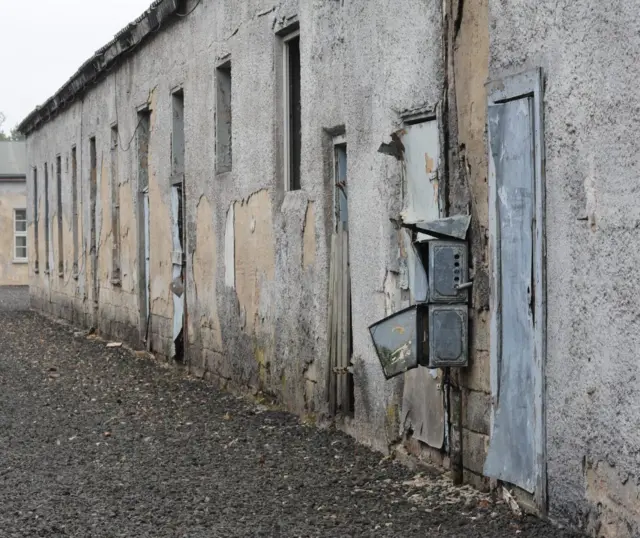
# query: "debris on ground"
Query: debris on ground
125,447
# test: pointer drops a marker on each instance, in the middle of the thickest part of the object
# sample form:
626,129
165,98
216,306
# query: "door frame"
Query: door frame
527,84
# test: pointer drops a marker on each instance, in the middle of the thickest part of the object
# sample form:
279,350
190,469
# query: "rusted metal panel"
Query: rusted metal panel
512,454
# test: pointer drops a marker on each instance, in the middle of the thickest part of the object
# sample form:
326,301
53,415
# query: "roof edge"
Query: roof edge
103,60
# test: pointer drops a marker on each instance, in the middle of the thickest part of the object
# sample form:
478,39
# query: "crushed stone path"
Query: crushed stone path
99,442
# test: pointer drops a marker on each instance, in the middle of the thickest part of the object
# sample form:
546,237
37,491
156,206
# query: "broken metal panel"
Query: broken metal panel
447,228
512,451
448,336
448,271
177,285
421,156
418,284
423,409
398,341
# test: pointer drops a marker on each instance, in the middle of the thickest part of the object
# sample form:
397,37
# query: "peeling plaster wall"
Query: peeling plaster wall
12,196
260,325
588,50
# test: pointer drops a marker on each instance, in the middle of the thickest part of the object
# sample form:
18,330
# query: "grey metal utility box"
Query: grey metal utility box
448,269
448,335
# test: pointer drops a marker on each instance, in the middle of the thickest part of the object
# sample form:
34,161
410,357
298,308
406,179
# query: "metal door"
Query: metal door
517,445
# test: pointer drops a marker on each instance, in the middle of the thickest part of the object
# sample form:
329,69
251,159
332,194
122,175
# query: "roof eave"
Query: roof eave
100,63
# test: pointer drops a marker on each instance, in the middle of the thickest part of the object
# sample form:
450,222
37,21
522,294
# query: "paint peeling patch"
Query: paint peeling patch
254,253
204,272
428,163
615,500
309,237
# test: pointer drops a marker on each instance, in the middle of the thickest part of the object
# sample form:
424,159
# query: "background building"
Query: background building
13,214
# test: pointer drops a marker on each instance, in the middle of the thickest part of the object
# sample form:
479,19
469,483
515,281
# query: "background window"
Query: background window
20,234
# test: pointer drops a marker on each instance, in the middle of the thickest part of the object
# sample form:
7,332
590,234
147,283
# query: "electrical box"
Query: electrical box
448,270
448,335
399,340
435,333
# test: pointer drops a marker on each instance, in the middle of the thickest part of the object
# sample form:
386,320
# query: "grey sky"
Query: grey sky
44,42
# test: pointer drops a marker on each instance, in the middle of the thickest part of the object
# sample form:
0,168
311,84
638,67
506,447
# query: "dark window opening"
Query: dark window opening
294,118
74,209
46,218
93,191
177,138
59,215
35,219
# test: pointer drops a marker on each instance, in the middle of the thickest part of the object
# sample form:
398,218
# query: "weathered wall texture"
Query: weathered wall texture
588,50
468,72
257,256
13,195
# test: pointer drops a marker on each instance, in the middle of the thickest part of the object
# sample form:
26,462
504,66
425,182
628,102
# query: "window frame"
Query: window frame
286,102
19,233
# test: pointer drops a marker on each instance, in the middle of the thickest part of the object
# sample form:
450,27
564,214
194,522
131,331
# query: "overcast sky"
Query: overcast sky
44,42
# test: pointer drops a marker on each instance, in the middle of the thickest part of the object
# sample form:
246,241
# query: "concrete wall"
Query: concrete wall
258,257
588,50
13,195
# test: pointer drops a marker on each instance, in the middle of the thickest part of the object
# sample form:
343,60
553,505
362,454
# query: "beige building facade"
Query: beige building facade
14,270
239,186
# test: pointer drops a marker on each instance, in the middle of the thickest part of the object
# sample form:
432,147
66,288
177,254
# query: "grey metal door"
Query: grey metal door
517,453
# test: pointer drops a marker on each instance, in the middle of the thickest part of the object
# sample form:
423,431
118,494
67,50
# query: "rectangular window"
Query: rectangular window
59,215
74,208
47,232
35,218
224,155
115,208
292,115
20,235
177,137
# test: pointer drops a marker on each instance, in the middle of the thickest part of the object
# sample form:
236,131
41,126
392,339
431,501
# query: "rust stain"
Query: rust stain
428,163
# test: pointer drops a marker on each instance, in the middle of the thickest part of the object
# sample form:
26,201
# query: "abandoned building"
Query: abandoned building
13,214
253,187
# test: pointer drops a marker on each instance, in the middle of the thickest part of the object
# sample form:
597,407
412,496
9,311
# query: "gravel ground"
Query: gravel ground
96,441
14,298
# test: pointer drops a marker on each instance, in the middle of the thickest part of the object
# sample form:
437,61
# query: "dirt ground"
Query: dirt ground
96,441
